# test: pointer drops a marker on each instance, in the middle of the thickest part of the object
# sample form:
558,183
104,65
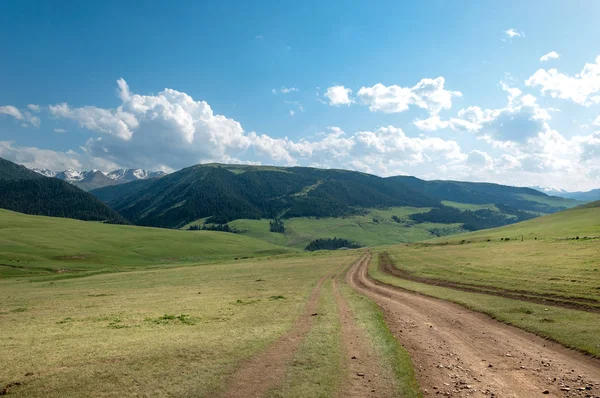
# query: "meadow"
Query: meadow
195,306
35,245
174,332
167,328
375,227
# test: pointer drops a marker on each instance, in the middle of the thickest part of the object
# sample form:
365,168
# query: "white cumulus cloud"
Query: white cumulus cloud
480,160
116,122
284,90
519,121
27,118
49,159
428,94
549,56
582,88
512,33
171,130
338,95
32,119
11,111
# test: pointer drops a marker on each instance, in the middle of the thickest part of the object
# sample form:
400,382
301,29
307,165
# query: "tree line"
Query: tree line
330,244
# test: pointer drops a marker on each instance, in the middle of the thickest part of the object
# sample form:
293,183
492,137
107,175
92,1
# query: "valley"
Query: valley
421,308
316,199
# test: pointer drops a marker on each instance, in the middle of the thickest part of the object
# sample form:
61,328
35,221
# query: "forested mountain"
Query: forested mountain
227,192
480,193
26,191
10,171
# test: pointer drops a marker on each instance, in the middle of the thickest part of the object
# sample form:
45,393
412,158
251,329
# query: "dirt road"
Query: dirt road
362,373
460,353
268,368
364,376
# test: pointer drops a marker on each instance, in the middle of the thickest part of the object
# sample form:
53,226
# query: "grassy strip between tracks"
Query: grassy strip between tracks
316,370
572,328
395,359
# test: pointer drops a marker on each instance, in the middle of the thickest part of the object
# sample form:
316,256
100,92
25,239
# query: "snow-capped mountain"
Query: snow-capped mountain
92,179
128,175
551,191
45,172
75,175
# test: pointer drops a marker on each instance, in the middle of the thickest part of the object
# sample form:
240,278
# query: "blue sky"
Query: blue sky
440,89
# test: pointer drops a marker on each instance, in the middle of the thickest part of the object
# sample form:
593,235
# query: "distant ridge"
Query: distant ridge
586,196
590,205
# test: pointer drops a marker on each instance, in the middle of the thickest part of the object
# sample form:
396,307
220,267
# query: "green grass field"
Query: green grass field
172,332
34,245
165,328
469,206
569,270
580,222
374,228
187,315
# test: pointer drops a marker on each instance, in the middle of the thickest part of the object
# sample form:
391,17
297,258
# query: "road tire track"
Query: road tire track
577,303
268,368
364,374
461,353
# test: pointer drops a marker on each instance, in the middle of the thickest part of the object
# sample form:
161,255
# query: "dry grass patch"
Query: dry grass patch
175,332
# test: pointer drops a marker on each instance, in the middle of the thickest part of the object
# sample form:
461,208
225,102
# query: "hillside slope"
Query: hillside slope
582,221
227,193
223,193
28,192
39,245
590,205
527,199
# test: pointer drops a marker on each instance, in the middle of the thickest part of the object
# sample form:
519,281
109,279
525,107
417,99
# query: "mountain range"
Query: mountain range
219,193
216,194
93,179
585,196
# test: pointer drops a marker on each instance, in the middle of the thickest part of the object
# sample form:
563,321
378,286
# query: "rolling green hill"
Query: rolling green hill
373,228
524,199
582,221
28,192
590,205
45,245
